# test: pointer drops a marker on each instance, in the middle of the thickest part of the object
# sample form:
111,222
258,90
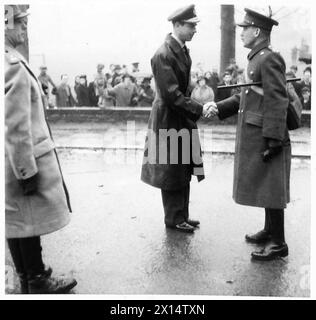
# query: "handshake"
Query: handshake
210,110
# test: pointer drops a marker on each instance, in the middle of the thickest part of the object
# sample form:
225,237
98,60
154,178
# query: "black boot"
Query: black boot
23,283
24,279
277,247
263,236
41,284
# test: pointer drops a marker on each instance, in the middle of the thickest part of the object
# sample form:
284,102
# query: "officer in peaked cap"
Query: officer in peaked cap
186,14
36,199
15,11
263,150
174,110
255,19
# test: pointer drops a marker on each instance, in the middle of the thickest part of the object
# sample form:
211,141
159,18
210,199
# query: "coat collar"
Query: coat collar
177,49
173,43
14,53
257,48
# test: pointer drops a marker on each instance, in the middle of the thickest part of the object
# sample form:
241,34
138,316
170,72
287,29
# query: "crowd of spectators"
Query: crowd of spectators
205,84
117,88
121,88
303,88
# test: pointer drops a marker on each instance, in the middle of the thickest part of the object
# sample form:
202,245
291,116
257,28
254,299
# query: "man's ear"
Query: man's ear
257,32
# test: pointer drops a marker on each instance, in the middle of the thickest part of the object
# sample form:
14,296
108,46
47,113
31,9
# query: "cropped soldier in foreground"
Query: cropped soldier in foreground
36,199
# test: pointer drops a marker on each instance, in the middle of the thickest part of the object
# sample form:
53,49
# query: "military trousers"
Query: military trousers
26,255
176,205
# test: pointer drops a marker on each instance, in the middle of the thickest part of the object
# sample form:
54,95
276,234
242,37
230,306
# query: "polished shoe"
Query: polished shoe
259,237
50,285
271,252
183,227
24,281
193,223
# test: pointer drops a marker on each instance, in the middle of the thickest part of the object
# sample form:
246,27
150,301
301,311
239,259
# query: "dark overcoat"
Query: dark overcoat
262,114
165,165
29,150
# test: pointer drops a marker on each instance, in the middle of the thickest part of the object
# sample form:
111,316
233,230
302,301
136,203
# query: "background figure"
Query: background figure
135,67
83,92
36,198
293,69
293,74
116,75
64,96
306,81
239,80
225,93
146,93
212,80
93,91
105,99
125,93
233,69
77,83
45,81
99,85
306,98
202,93
100,73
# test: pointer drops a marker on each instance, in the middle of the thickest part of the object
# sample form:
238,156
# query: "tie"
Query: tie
186,52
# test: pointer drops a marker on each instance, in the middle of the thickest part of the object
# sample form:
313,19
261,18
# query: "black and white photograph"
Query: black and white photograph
157,149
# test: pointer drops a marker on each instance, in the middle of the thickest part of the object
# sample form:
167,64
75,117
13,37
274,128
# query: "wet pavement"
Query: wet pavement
116,242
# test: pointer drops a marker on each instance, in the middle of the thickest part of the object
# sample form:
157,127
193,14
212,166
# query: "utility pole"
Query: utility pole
228,36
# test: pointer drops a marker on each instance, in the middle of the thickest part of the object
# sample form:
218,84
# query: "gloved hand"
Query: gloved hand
272,148
30,185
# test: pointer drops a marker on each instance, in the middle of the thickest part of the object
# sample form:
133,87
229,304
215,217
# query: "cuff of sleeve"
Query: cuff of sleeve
26,171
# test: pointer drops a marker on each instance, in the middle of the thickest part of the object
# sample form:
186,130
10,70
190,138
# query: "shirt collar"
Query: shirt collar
178,40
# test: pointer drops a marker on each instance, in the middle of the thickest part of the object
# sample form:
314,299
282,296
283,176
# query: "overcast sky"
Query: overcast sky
74,36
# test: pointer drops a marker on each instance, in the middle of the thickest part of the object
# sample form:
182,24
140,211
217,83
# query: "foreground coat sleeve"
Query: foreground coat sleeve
275,99
228,107
168,86
18,135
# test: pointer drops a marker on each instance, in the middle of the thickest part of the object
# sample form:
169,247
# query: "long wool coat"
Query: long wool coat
29,149
262,114
174,110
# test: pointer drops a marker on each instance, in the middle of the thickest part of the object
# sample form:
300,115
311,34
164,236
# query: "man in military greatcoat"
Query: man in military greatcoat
168,165
263,149
36,199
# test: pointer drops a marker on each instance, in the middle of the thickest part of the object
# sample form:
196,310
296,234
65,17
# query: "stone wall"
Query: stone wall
115,114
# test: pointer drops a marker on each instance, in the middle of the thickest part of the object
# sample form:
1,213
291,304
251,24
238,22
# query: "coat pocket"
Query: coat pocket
43,147
253,118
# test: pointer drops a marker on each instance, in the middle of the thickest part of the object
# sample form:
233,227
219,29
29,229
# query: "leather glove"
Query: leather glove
272,148
29,185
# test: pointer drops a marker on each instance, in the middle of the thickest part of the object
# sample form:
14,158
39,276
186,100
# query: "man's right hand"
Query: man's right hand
30,185
210,109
